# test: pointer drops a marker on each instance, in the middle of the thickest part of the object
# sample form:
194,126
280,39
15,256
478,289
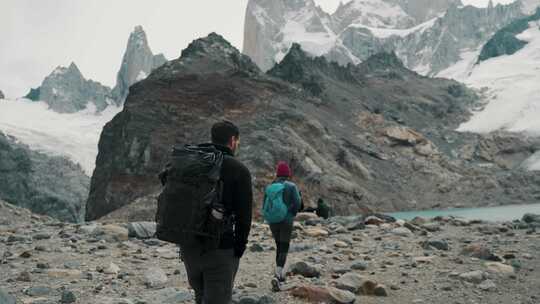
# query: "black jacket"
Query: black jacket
237,199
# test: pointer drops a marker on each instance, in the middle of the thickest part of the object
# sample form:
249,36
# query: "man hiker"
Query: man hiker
282,200
211,262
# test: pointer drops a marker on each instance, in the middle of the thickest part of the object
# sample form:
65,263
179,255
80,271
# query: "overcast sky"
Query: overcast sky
38,35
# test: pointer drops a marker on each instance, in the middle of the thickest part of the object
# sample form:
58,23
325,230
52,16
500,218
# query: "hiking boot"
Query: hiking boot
275,285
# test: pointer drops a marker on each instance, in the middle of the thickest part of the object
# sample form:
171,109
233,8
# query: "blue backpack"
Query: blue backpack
274,208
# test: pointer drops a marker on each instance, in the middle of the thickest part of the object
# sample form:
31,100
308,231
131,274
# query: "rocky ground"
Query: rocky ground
345,259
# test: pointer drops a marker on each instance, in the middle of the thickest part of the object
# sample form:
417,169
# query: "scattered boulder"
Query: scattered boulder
304,269
473,276
316,232
359,265
312,294
351,282
437,244
380,291
316,294
112,268
402,231
499,268
488,285
341,296
256,247
531,218
64,273
479,251
141,230
68,297
373,220
169,295
432,227
38,291
112,233
155,277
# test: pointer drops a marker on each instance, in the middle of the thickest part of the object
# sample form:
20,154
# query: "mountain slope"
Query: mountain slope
45,184
376,136
510,81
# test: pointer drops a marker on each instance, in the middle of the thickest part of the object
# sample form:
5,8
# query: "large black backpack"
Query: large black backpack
190,212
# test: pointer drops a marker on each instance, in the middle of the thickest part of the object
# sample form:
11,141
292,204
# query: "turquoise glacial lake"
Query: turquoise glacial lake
494,214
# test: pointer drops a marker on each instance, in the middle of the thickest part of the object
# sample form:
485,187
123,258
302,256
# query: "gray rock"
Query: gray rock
488,285
256,247
38,291
402,231
359,265
350,281
531,218
41,236
68,297
142,230
342,296
17,238
6,298
2,95
437,244
155,277
473,276
304,269
253,299
169,295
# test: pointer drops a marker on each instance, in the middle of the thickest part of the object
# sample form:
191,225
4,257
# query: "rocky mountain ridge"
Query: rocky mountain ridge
376,136
137,63
428,43
67,91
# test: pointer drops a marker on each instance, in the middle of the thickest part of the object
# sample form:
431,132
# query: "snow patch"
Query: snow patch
74,135
378,13
142,76
387,32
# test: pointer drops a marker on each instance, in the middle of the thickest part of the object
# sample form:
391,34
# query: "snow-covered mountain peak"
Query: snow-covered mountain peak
373,13
529,6
137,63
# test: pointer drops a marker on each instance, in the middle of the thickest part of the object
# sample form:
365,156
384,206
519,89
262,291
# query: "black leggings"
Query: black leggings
282,236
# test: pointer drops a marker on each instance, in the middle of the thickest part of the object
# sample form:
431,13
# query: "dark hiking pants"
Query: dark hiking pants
282,236
211,274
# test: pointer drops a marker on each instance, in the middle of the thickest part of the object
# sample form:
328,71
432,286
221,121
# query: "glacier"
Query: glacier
511,86
74,135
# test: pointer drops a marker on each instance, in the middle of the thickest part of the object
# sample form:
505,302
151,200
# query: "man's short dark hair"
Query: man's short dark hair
223,131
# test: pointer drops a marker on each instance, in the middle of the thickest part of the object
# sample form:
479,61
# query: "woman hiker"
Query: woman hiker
282,200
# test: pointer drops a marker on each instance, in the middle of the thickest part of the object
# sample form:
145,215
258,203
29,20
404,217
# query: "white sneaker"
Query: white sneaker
280,274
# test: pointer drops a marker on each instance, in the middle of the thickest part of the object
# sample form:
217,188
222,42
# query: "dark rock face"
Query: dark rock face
504,42
138,62
376,136
44,184
67,91
1,95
